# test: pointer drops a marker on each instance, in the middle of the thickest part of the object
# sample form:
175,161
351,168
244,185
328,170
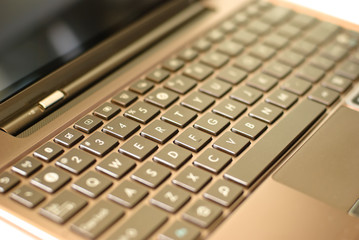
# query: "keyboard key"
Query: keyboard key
247,63
230,48
277,70
48,152
7,181
158,75
124,98
348,69
27,166
151,174
322,63
324,95
27,196
128,194
98,219
121,128
173,64
255,161
116,165
291,58
141,86
162,98
138,147
134,225
212,160
247,95
258,27
266,112
276,41
215,88
282,99
198,71
223,192
212,123
296,85
310,73
51,179
180,230
172,156
215,35
244,37
193,139
337,83
106,111
159,131
232,75
63,207
170,198
288,31
249,127
304,47
179,116
334,52
347,39
75,161
262,52
231,143
215,59
240,18
192,179
88,124
321,32
230,109
262,82
202,45
69,137
198,101
202,213
188,54
302,21
180,84
99,144
142,112
276,15
92,184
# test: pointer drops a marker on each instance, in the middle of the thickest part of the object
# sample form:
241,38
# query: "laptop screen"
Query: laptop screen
38,36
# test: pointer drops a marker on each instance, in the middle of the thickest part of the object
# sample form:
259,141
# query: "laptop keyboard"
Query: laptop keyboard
182,147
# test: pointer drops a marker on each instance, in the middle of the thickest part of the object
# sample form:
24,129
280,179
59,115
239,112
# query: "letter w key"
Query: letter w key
116,165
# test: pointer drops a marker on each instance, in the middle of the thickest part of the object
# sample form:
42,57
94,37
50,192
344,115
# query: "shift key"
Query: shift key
275,143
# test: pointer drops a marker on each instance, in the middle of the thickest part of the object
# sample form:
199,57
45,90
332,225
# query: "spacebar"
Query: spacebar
275,143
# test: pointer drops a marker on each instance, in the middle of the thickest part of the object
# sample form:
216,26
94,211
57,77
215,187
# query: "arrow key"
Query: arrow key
128,194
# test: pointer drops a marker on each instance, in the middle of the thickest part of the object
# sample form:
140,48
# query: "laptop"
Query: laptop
177,120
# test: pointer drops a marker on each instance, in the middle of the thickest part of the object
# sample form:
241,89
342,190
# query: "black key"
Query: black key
266,112
296,85
172,156
230,109
180,230
282,99
141,86
277,70
249,127
202,213
202,45
99,144
348,69
27,196
310,73
75,161
276,15
173,64
304,47
48,152
27,166
247,95
334,52
276,41
247,63
212,123
262,52
244,37
151,174
337,83
264,153
288,31
215,88
88,124
170,198
124,98
179,116
98,219
198,71
223,192
231,143
258,27
230,48
232,75
106,111
7,181
215,35
322,62
193,139
63,207
68,138
291,58
116,165
188,54
180,84
302,21
121,127
159,131
158,75
128,194
212,160
138,148
142,112
321,32
162,98
92,184
198,101
192,179
153,217
324,95
51,179
215,59
262,82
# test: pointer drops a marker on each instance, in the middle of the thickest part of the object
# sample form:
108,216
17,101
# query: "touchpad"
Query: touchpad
327,165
